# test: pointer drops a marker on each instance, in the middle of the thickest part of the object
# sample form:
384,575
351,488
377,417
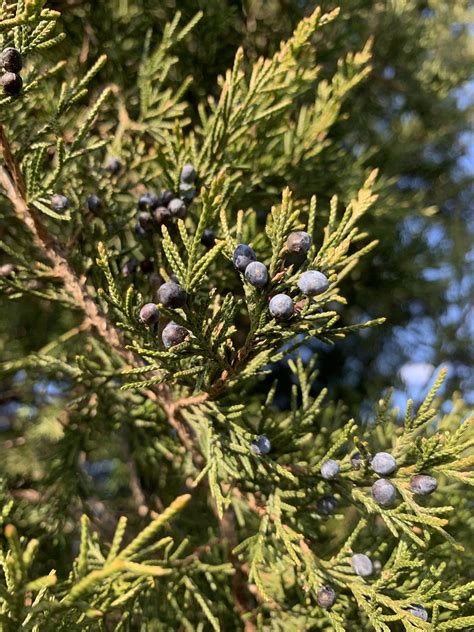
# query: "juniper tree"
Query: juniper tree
150,480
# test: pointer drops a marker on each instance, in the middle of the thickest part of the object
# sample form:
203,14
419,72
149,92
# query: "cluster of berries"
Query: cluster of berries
384,494
60,203
326,596
164,207
11,62
311,282
172,296
383,491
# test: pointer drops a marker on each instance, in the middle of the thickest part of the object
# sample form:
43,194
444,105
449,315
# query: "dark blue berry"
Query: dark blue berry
165,197
298,243
330,469
281,306
261,445
11,60
177,208
173,334
145,220
187,192
11,83
362,565
188,174
243,255
356,460
94,203
149,314
148,201
208,239
326,597
162,215
423,484
383,492
418,611
172,295
313,282
383,463
256,273
113,165
326,505
60,203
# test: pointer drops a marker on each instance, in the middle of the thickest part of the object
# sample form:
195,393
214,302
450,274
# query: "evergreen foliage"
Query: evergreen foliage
152,476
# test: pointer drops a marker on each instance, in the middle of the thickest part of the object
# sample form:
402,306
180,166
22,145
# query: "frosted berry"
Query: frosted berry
145,220
326,505
313,282
177,207
11,59
144,202
165,197
261,445
208,239
188,174
187,192
173,334
147,201
362,565
330,469
149,314
94,203
281,306
60,203
113,165
383,492
243,255
356,460
326,597
423,484
418,611
172,295
383,463
298,243
162,215
11,83
256,273
146,266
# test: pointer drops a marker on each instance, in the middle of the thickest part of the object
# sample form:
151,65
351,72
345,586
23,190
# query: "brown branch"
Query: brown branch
194,400
14,186
15,189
